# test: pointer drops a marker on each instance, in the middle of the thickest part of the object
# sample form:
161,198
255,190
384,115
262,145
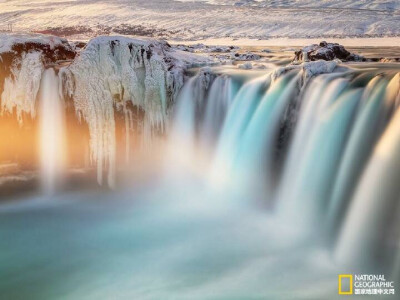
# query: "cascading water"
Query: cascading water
341,144
238,116
372,219
316,145
52,132
218,102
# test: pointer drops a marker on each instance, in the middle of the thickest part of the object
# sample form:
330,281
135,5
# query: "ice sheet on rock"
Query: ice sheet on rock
7,41
318,67
113,71
309,69
22,87
23,58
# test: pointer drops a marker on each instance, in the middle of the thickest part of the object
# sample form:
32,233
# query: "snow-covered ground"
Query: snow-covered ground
351,4
197,20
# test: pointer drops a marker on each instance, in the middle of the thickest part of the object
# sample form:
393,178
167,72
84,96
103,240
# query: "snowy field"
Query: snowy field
351,4
202,20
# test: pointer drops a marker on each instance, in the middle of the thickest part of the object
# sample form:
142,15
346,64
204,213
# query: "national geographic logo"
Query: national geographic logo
345,284
364,285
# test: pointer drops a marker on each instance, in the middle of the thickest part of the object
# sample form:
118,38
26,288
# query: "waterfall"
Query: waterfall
199,115
183,130
288,171
369,230
254,157
236,120
315,144
52,132
219,100
337,170
367,127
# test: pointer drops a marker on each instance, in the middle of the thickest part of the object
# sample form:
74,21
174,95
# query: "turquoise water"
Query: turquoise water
156,242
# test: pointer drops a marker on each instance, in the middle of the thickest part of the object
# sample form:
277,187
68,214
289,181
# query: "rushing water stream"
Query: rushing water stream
269,187
52,133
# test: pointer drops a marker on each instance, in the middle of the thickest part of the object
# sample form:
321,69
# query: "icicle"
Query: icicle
115,70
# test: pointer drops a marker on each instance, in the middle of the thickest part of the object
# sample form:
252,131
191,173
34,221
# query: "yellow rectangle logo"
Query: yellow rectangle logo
350,278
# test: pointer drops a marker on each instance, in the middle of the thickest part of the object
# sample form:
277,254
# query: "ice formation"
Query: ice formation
23,59
114,72
309,69
51,46
21,88
111,76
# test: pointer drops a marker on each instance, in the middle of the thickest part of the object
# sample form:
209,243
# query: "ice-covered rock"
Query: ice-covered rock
201,48
22,86
52,48
256,66
308,69
261,66
325,51
318,67
185,48
222,49
23,59
113,73
246,66
78,45
245,56
389,60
